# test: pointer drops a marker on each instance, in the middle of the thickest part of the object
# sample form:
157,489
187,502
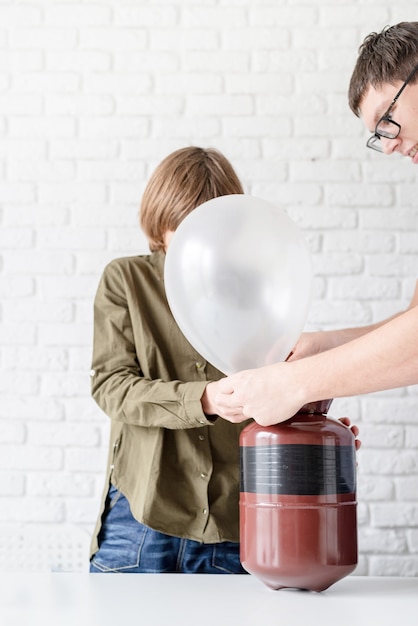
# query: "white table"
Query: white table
200,600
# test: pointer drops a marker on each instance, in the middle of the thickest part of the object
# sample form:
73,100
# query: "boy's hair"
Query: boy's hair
384,57
182,181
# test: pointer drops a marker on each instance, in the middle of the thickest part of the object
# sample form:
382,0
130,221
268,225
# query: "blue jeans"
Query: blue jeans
126,546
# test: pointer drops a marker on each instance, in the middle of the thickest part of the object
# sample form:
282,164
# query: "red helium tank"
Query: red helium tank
298,509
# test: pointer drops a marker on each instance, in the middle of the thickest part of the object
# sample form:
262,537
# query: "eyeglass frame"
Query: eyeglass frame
372,141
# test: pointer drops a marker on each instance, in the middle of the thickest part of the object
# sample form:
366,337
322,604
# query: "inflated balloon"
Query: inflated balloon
238,280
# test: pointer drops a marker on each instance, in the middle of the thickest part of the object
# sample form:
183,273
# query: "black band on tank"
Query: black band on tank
295,469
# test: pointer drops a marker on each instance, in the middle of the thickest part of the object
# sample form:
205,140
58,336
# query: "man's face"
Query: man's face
376,102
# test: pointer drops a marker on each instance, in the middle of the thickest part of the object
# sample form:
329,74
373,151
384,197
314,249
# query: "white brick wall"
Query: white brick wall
93,94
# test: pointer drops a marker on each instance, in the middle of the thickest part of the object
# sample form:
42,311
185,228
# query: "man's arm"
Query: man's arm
314,342
384,358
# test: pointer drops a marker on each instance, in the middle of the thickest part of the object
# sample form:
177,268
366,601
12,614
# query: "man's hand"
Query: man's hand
250,394
220,398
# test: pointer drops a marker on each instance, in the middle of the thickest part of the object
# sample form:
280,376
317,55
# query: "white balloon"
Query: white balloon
238,278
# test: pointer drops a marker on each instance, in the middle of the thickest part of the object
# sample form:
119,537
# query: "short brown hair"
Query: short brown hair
384,57
185,179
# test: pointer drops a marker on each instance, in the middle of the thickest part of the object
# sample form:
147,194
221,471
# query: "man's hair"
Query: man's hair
185,179
384,57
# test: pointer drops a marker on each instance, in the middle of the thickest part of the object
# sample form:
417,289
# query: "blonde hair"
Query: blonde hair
185,179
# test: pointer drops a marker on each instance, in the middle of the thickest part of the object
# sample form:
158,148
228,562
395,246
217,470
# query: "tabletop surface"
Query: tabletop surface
199,600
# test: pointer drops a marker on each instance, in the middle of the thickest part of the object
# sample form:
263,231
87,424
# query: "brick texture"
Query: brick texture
92,96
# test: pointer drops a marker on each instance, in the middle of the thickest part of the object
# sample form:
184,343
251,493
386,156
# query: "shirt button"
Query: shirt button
92,373
204,511
203,475
202,437
199,365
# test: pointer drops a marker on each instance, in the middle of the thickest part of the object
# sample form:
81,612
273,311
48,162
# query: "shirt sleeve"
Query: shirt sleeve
117,382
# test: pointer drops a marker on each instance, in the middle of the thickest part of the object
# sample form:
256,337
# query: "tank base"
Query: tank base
317,581
294,546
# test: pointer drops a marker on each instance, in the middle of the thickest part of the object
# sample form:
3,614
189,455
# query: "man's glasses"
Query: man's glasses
386,127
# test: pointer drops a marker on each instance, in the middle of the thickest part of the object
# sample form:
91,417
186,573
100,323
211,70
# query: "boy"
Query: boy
170,502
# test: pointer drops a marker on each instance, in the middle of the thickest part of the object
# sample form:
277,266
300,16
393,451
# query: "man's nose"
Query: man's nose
390,145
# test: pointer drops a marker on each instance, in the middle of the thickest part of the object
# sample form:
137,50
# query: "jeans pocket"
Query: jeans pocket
226,558
121,536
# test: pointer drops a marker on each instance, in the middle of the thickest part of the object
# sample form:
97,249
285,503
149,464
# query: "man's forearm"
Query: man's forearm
344,335
384,358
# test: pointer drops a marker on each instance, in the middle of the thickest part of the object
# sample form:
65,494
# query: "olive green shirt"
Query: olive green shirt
178,469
